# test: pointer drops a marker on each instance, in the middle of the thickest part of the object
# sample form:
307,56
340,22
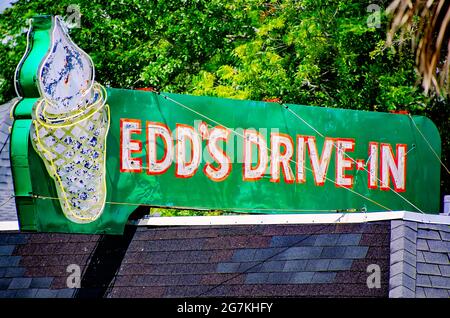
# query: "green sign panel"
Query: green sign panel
84,157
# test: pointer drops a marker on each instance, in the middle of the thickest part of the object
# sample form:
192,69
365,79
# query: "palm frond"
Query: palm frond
429,21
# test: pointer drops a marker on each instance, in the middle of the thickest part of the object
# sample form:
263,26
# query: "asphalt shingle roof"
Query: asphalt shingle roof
250,261
7,205
420,260
433,260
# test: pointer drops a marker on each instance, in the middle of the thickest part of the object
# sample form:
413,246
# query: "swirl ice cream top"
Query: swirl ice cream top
66,75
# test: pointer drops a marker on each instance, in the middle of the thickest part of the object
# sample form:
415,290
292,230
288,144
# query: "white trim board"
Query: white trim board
9,226
325,218
331,218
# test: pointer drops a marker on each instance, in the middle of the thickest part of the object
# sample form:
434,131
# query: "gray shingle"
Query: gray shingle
302,277
65,293
333,252
295,266
14,272
403,267
6,250
423,281
431,269
439,246
227,267
273,266
250,267
354,252
403,231
4,283
340,264
46,293
18,238
256,278
8,210
317,265
435,293
26,293
20,283
436,258
4,238
445,236
326,239
403,256
8,293
279,278
349,239
397,223
284,241
310,240
410,246
244,255
428,234
437,227
403,244
267,253
420,292
422,245
323,277
41,282
440,282
445,270
420,257
6,261
304,252
402,280
401,292
411,224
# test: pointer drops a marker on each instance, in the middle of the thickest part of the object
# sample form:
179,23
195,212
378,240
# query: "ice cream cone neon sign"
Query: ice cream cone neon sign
172,150
70,125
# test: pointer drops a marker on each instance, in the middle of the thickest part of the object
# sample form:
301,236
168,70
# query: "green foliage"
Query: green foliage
307,52
178,212
313,52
